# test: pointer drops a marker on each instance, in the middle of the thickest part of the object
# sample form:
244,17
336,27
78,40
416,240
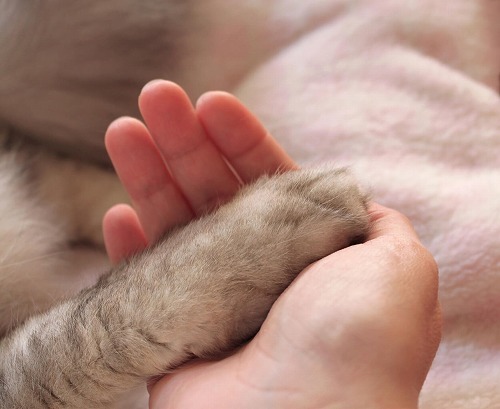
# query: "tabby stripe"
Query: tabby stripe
48,396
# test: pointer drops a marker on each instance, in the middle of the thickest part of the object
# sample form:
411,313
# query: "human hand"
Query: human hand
176,167
357,329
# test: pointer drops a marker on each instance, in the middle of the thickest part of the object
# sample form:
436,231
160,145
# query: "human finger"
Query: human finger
157,199
241,137
123,233
393,246
386,221
193,160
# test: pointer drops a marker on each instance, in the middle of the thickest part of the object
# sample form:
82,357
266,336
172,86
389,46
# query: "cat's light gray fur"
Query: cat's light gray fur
66,69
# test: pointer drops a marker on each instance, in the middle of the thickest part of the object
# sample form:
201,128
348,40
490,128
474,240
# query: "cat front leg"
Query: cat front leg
204,289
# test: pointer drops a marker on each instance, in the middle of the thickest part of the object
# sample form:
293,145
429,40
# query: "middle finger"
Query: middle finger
195,163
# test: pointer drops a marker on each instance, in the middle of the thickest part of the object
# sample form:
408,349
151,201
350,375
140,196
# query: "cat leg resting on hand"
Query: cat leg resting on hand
200,291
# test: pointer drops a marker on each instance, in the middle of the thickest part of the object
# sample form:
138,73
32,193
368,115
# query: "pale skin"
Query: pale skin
192,143
358,329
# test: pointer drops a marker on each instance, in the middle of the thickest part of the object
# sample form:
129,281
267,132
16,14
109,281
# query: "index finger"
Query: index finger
395,243
386,221
194,162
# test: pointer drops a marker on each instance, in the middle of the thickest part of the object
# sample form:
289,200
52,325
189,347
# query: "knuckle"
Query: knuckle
413,255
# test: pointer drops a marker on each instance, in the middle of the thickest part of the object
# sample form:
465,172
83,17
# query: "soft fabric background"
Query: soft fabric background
407,93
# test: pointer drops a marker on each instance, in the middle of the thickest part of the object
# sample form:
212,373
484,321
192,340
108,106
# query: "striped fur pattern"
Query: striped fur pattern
202,290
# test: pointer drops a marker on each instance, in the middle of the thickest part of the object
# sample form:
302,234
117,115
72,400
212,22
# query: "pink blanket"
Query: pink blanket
407,93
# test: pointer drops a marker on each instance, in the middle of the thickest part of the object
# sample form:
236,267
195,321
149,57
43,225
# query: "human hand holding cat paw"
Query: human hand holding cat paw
357,329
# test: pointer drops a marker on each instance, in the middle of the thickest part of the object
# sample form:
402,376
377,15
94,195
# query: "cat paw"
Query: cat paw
224,271
301,216
319,200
